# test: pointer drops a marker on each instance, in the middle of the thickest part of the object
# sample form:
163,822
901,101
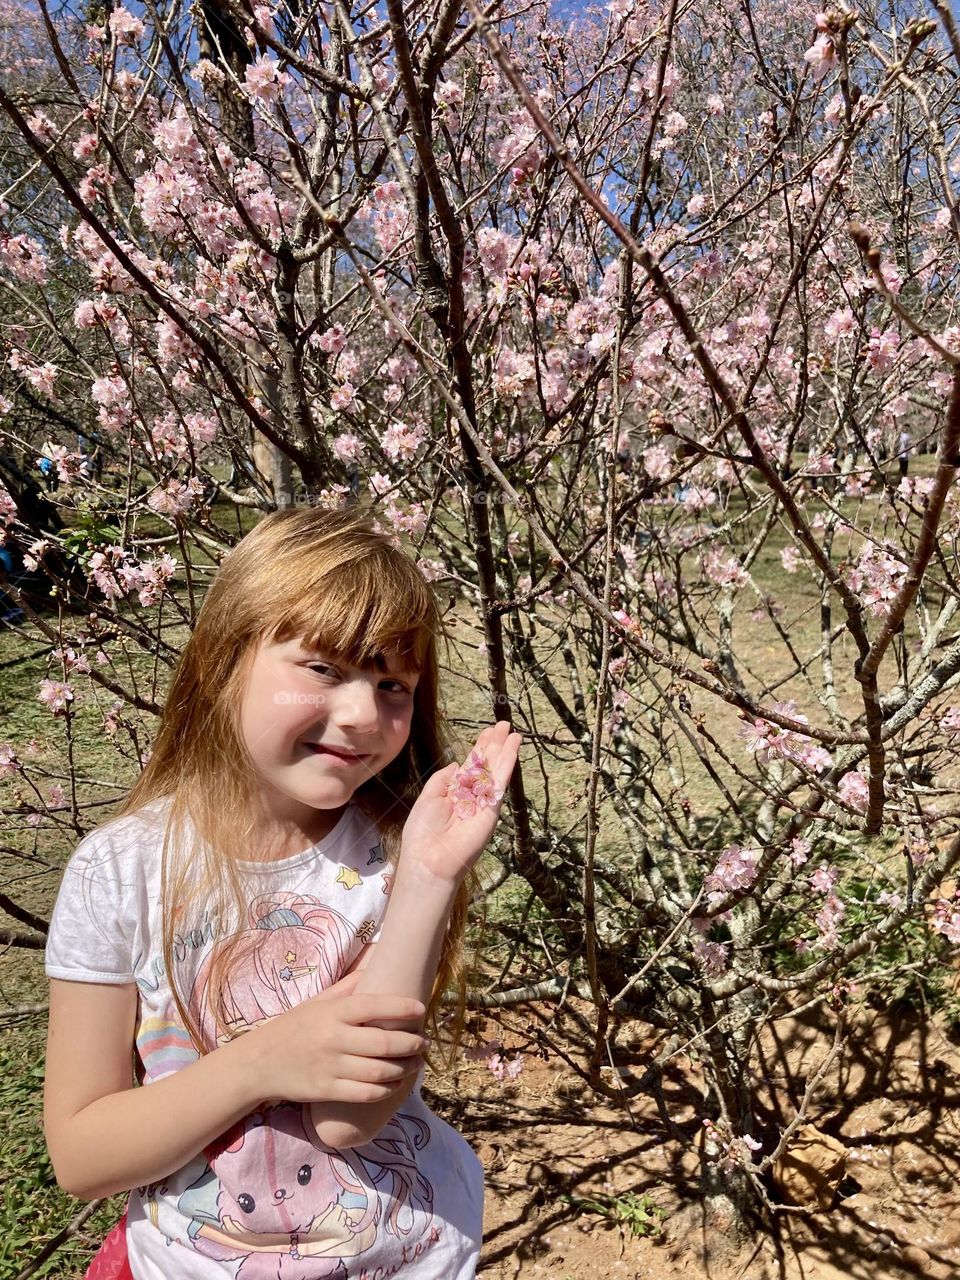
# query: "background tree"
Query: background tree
621,323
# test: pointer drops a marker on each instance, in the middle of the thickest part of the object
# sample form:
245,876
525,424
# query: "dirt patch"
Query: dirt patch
570,1181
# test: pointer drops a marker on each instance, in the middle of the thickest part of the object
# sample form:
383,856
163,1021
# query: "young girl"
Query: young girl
259,934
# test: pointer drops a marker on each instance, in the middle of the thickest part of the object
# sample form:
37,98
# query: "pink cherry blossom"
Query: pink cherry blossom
696,205
449,95
347,447
854,790
841,324
946,919
828,920
882,349
85,146
712,956
822,56
833,111
41,124
503,1068
153,579
432,570
55,694
263,79
345,397
8,508
24,258
473,787
126,28
799,851
877,575
824,878
43,378
331,340
736,870
401,441
176,497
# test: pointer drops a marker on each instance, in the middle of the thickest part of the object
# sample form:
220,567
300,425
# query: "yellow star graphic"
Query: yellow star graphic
290,957
349,878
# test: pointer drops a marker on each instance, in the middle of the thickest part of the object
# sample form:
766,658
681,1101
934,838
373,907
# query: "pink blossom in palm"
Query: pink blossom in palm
473,787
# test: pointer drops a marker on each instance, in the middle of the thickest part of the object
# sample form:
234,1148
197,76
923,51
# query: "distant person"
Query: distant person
90,448
48,467
903,452
10,611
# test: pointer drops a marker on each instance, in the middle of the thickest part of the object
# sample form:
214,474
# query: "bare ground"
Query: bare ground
548,1147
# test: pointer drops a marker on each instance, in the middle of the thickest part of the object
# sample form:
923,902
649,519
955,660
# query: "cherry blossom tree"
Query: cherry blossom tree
623,324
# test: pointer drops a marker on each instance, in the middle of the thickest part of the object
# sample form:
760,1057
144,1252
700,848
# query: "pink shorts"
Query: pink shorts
110,1261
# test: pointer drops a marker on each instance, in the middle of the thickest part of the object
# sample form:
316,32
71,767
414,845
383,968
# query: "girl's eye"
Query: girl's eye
394,686
330,672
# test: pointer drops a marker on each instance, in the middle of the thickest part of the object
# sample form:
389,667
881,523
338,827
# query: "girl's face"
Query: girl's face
317,728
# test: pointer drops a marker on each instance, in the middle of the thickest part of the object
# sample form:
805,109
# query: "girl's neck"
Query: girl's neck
273,838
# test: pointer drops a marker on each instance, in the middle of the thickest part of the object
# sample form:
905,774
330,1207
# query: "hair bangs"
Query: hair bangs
367,610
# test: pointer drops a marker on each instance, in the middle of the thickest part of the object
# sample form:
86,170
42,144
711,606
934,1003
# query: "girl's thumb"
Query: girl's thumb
438,782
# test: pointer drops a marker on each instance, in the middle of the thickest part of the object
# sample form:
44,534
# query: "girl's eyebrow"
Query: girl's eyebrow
309,651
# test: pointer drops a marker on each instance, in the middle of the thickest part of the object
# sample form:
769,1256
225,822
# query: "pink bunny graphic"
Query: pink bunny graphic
293,1209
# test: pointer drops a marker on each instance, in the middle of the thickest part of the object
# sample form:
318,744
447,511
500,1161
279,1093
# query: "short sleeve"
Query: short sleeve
92,930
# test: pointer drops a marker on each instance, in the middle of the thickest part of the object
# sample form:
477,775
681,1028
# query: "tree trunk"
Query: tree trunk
221,43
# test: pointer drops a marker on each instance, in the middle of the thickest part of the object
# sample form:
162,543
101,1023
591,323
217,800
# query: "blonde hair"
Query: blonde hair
329,578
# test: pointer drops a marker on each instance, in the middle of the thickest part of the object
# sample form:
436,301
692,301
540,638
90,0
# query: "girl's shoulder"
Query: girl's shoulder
107,891
131,840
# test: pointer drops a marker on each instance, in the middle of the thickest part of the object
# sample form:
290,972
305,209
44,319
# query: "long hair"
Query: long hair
329,578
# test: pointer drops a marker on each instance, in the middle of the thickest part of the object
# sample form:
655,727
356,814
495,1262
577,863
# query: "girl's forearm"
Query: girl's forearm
404,962
142,1135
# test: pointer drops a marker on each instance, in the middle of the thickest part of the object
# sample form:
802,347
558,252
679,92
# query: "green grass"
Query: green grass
33,1209
633,1213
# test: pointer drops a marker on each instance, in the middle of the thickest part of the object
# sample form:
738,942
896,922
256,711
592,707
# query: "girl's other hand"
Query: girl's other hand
439,839
324,1050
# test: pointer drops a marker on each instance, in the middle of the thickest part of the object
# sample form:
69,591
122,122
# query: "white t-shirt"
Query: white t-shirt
267,1199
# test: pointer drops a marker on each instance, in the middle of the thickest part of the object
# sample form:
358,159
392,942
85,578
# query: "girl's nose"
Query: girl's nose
356,706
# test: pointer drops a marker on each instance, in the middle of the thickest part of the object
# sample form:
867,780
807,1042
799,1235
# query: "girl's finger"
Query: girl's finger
437,783
506,760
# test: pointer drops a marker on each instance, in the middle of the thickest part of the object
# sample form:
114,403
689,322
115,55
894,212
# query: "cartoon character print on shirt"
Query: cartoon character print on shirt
290,1208
292,948
273,1196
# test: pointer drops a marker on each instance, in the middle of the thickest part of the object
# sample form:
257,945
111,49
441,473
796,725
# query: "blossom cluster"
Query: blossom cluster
769,741
473,787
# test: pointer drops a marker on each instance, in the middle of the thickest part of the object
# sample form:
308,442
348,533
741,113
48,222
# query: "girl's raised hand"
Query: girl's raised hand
457,811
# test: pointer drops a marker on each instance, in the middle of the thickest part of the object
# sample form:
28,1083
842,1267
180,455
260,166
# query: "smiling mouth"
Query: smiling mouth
348,757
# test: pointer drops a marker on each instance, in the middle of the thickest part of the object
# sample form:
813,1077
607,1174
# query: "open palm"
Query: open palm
441,840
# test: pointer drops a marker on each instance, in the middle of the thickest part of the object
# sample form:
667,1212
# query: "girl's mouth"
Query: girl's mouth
335,753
